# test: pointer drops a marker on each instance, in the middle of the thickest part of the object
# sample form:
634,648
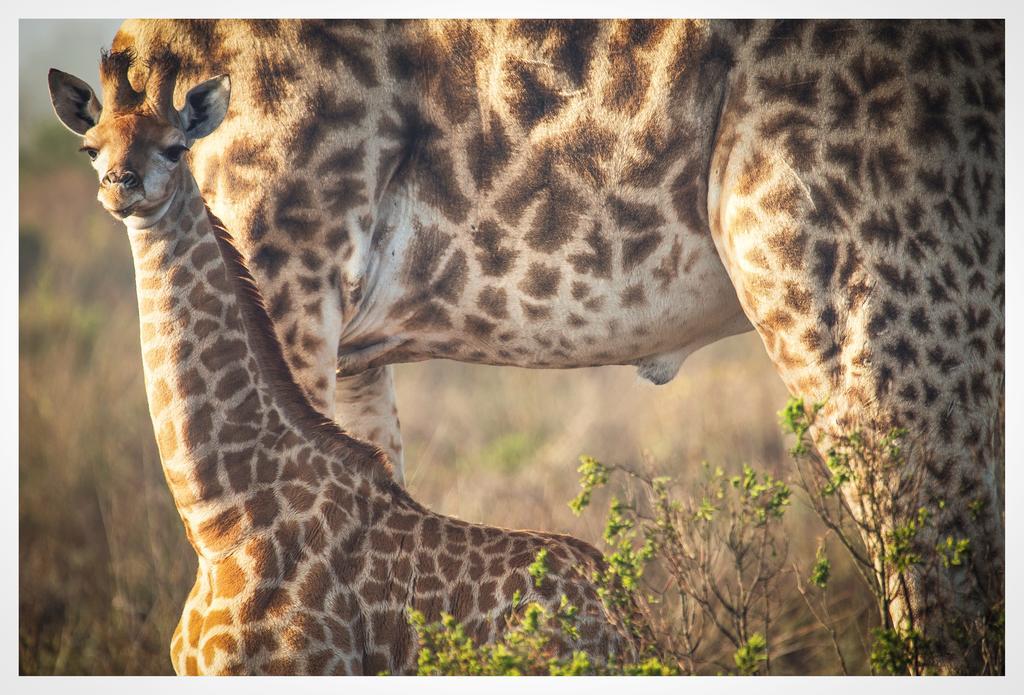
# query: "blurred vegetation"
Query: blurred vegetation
103,562
685,565
694,576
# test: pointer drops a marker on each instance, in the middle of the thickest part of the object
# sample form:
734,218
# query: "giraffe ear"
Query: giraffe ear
73,101
205,106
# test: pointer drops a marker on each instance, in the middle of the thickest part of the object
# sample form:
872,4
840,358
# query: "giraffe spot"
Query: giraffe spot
377,592
557,204
448,566
513,584
222,531
154,358
298,498
689,198
375,664
269,260
450,284
313,591
279,667
534,312
541,281
632,296
584,149
204,253
346,566
634,216
756,171
495,258
228,582
478,326
668,268
239,469
783,36
492,301
262,508
160,397
194,627
341,636
425,563
430,532
487,153
401,569
635,250
204,327
599,260
326,114
237,433
629,74
316,663
198,428
246,411
167,440
420,158
181,276
231,383
383,627
496,566
529,98
429,584
222,353
383,542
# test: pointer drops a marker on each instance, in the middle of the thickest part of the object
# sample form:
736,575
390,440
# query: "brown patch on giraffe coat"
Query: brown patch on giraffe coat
167,441
541,281
419,158
635,250
631,296
222,353
634,216
313,591
599,260
530,99
495,257
453,278
228,582
630,73
262,508
492,300
558,211
222,531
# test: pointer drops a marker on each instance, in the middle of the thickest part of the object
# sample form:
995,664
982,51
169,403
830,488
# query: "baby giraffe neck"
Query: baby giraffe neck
232,426
205,388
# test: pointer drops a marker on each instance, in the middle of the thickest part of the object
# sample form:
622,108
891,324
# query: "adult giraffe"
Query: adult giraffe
563,194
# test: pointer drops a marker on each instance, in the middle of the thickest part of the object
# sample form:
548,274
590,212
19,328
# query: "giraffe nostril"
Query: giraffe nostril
125,179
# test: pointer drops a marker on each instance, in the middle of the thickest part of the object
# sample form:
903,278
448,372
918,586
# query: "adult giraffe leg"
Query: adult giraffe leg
882,297
365,407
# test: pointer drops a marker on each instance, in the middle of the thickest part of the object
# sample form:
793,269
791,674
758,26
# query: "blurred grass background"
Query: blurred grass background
104,564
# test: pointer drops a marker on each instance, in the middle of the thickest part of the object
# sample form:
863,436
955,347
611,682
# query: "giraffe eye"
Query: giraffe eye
174,152
90,151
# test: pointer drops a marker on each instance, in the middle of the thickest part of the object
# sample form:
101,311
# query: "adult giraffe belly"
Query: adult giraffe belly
486,295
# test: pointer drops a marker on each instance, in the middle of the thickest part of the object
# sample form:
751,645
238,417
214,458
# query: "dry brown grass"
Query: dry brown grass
104,565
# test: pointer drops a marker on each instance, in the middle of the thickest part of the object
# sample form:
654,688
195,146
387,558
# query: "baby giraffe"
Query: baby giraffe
309,552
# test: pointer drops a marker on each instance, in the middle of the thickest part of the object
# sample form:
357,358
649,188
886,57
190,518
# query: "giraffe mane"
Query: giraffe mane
329,438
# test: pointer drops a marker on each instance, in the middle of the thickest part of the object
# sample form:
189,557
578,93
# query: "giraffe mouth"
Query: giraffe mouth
123,212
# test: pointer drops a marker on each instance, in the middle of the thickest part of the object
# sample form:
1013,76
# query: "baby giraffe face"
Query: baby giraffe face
136,158
137,142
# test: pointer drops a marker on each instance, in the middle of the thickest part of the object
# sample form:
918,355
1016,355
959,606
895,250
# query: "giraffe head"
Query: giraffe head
137,139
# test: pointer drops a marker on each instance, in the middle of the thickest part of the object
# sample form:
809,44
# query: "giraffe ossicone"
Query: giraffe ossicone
309,552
